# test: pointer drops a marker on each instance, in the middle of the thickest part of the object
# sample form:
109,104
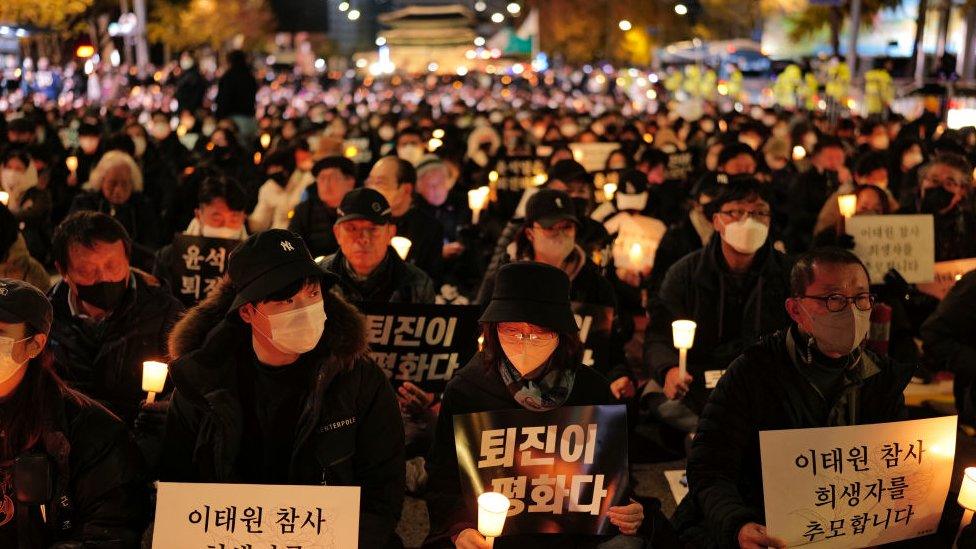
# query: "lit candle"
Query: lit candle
540,179
634,254
401,245
351,152
967,497
72,163
609,189
683,333
476,201
257,158
4,197
153,378
493,176
265,140
492,510
799,153
847,203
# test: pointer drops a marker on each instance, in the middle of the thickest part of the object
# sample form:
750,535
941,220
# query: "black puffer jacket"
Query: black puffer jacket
313,221
349,432
765,390
100,498
948,340
393,281
731,314
104,360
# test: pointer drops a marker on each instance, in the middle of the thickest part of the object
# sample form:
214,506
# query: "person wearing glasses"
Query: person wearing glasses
815,373
531,360
732,288
945,192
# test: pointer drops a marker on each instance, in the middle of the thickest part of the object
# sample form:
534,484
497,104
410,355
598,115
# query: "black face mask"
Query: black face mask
582,207
935,200
104,295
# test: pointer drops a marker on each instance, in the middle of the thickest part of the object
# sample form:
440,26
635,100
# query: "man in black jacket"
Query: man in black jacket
314,217
947,337
732,288
813,374
810,191
367,267
273,386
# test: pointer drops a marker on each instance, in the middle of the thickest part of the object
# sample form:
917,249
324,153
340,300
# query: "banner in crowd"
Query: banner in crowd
357,150
423,344
208,516
905,243
858,486
593,156
947,273
517,173
197,265
562,469
595,322
680,165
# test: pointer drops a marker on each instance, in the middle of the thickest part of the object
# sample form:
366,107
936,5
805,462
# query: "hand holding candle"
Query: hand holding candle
492,510
609,189
401,245
153,378
477,198
72,163
683,333
635,255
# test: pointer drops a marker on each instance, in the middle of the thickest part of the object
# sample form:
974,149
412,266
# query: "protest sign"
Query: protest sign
680,165
857,486
905,243
947,273
423,344
636,242
593,156
209,516
198,264
595,322
510,178
562,469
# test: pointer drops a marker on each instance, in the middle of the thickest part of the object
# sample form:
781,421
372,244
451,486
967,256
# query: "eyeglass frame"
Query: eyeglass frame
848,301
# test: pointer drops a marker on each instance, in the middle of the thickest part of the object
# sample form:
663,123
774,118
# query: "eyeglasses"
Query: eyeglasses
556,230
357,232
518,335
837,302
761,215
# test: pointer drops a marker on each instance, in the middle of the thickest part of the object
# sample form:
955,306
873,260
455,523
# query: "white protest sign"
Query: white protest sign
198,516
902,242
947,273
593,156
857,486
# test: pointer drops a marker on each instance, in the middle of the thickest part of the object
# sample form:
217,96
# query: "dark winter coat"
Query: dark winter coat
394,280
313,221
349,432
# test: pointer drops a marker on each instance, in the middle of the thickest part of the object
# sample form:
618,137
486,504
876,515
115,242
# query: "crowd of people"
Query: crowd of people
733,210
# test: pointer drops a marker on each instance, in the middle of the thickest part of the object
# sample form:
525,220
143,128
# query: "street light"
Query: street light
380,41
681,9
479,41
343,6
514,8
353,15
625,25
497,17
480,6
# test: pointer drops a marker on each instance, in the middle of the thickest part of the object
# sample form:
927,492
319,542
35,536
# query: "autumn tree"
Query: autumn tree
186,24
811,20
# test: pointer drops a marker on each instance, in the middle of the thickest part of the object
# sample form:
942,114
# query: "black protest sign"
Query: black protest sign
595,322
680,165
561,469
511,176
423,344
197,265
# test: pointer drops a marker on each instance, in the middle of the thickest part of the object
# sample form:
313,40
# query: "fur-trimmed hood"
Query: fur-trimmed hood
208,327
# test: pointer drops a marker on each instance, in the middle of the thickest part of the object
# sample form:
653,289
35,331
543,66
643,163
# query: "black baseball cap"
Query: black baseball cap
548,207
632,182
22,302
267,262
568,171
365,203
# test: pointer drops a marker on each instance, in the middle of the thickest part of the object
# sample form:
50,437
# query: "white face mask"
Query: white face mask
88,144
8,366
386,133
228,233
840,332
299,330
746,235
411,153
553,248
633,202
140,145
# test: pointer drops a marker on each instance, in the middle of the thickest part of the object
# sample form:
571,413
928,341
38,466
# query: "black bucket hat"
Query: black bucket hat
267,262
526,291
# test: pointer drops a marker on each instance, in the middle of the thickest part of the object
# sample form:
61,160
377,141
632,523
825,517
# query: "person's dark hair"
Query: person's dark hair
568,353
738,188
14,153
86,228
870,162
802,276
652,158
406,173
954,161
733,150
9,231
341,163
223,187
120,141
410,131
237,59
283,158
879,193
827,142
290,290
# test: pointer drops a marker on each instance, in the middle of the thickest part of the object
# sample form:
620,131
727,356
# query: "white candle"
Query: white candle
492,510
683,333
634,254
401,245
967,497
4,197
799,153
476,201
265,140
153,378
72,163
847,204
609,189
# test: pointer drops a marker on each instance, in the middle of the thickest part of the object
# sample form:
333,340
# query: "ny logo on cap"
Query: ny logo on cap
377,207
286,246
559,202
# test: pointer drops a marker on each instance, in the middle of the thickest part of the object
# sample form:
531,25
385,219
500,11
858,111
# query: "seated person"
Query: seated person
368,268
273,387
314,217
812,374
102,501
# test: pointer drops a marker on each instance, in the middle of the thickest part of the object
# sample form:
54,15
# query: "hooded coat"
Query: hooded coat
349,432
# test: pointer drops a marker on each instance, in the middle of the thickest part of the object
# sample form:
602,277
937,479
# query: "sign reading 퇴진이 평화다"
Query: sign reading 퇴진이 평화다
423,344
197,265
561,469
226,516
905,243
595,323
947,273
857,486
